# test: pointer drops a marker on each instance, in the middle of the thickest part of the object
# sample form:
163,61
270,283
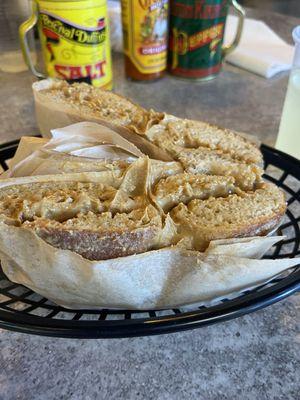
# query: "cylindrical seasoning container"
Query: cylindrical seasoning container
196,48
74,37
145,29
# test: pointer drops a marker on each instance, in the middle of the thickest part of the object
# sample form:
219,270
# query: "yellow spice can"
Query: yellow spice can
74,36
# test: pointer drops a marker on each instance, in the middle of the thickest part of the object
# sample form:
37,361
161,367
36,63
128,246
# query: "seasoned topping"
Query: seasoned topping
236,215
214,162
185,187
90,100
54,201
175,134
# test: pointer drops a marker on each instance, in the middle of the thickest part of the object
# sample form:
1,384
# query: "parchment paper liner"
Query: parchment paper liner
82,143
82,147
157,279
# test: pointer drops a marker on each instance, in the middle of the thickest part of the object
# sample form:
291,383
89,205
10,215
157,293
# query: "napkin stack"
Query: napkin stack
260,50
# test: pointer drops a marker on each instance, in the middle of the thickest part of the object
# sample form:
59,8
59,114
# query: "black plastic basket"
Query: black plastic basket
25,311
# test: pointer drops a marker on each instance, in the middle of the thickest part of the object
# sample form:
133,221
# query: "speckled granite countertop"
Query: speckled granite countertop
253,357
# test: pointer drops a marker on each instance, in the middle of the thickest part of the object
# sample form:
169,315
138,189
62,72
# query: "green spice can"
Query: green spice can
196,36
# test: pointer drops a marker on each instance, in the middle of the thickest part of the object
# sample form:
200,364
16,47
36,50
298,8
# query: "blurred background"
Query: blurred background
288,7
236,100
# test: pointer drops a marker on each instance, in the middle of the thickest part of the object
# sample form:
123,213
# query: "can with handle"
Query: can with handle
196,48
74,37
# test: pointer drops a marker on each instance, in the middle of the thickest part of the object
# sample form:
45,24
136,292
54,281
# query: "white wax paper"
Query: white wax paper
157,279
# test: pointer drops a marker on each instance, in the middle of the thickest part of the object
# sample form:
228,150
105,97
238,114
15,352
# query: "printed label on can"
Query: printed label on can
75,40
145,26
196,37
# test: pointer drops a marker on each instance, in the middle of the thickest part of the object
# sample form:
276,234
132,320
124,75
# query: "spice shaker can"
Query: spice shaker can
74,37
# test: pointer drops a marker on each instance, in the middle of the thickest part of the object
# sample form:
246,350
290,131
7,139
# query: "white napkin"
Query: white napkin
260,50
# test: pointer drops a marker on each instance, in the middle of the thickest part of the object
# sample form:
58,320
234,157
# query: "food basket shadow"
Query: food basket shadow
23,310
